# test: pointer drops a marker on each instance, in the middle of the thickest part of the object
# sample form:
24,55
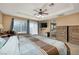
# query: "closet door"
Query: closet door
74,34
61,33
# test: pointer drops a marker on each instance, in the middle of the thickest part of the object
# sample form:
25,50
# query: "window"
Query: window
20,25
33,27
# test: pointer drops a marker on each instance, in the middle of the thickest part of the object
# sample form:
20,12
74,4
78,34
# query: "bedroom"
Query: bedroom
37,28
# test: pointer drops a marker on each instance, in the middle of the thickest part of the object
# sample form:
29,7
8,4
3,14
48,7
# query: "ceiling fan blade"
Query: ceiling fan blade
35,14
36,10
45,13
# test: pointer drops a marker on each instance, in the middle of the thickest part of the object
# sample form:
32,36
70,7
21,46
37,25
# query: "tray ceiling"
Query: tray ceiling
26,10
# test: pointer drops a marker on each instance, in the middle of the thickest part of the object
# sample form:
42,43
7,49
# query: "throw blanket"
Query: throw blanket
61,47
49,49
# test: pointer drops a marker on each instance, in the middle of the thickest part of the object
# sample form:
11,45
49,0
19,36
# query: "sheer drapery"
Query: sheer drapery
20,25
33,27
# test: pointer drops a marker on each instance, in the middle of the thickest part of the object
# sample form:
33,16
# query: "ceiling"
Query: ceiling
26,10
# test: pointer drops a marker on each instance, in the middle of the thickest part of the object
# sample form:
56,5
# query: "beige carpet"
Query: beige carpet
73,48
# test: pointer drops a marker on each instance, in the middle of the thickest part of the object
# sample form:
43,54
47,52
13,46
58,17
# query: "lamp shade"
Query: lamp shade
1,27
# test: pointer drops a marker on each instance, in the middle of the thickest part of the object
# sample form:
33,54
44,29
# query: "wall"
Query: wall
68,20
6,22
1,18
45,30
71,32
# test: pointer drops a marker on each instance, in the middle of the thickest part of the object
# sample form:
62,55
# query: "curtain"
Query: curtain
20,25
33,27
12,22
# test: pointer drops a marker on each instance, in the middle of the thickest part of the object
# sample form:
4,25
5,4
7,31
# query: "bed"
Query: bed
33,45
56,47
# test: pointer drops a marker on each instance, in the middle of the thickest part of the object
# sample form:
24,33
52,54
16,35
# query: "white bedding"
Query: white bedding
23,46
2,42
11,47
58,44
29,48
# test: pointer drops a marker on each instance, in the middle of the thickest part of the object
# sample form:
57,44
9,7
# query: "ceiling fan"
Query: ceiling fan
41,12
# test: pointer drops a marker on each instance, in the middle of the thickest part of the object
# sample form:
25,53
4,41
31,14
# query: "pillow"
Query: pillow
2,42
